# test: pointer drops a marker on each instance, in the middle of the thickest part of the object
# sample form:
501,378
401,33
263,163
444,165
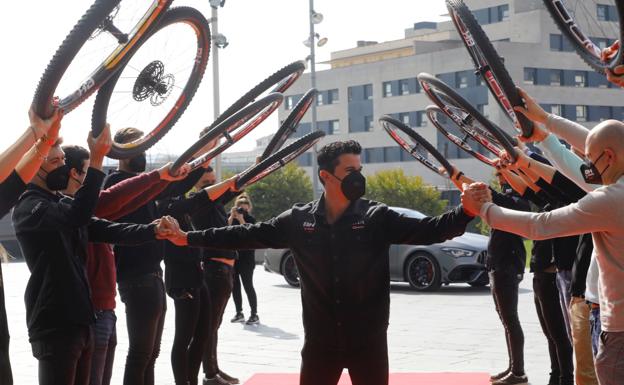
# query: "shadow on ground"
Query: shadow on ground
271,332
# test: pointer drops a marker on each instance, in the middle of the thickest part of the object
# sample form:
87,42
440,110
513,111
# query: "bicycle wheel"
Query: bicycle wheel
289,126
96,41
417,146
488,64
281,80
278,159
456,135
232,129
153,89
466,116
590,26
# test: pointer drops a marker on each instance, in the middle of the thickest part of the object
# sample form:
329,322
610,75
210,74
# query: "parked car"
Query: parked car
425,268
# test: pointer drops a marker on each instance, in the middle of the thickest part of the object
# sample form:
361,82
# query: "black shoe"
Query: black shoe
512,379
216,380
227,378
239,317
253,320
500,375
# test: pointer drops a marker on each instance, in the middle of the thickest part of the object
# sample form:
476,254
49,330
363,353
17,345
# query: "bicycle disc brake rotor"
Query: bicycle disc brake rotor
153,84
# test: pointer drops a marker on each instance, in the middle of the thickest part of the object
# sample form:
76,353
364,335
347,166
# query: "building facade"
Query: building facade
374,79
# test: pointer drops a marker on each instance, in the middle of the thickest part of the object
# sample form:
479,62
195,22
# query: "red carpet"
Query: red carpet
395,379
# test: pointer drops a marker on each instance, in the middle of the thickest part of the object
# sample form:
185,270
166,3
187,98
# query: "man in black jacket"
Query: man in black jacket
341,245
53,232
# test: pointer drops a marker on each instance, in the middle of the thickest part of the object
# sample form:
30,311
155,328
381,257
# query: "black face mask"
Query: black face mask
590,172
353,186
57,179
138,163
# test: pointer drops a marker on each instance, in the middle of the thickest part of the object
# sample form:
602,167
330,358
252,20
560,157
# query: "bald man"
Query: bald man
601,212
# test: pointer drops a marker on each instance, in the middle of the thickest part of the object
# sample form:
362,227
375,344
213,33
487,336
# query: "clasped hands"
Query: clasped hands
168,228
474,196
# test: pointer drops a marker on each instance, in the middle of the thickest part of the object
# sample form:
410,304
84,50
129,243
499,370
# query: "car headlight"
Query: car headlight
457,252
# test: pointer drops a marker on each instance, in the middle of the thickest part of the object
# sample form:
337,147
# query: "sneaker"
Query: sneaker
253,320
500,375
216,380
227,378
239,317
512,379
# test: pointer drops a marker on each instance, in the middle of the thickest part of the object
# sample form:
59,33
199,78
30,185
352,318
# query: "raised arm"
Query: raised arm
401,229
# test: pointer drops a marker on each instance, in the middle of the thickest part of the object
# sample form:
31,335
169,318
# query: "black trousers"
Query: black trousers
65,357
146,306
243,271
6,375
219,279
504,287
367,365
192,326
553,325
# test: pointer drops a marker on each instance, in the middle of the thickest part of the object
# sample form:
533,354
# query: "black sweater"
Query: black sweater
135,261
215,216
53,232
506,251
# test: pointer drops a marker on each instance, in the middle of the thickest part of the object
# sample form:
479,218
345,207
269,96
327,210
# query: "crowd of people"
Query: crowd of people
84,235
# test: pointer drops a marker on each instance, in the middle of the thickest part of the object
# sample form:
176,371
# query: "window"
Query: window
480,80
580,79
530,75
404,117
556,42
392,154
374,155
368,123
368,91
334,127
556,77
289,102
484,109
602,12
503,12
404,87
555,109
319,99
333,97
581,113
387,89
422,119
461,79
350,93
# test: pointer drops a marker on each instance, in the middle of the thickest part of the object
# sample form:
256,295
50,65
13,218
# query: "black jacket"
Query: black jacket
246,253
345,280
53,232
506,252
10,190
215,216
581,265
135,261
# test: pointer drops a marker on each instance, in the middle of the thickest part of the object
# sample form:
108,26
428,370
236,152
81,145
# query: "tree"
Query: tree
394,188
279,191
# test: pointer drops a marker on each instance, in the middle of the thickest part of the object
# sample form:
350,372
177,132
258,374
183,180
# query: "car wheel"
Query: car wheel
423,272
289,270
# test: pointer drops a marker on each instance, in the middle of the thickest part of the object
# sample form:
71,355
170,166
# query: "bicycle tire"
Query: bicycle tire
278,159
44,100
282,79
432,112
100,109
589,51
259,108
489,65
387,120
289,126
505,142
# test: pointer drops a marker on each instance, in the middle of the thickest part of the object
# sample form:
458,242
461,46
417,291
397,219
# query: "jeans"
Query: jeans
105,332
243,271
146,306
596,329
610,358
65,356
564,282
219,278
367,365
553,325
581,340
504,288
192,326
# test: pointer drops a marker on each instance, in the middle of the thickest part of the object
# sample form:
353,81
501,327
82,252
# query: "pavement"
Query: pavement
453,330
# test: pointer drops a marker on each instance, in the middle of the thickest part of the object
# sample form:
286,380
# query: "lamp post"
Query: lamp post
314,18
218,41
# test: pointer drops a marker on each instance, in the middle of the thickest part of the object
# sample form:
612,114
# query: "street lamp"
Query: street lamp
314,18
218,41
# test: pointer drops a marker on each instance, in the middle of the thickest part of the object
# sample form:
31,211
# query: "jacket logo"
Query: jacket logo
308,227
357,225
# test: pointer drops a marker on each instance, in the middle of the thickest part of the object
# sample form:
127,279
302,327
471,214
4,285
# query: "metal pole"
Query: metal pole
215,81
315,177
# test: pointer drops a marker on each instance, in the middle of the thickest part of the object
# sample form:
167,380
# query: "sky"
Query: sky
264,35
